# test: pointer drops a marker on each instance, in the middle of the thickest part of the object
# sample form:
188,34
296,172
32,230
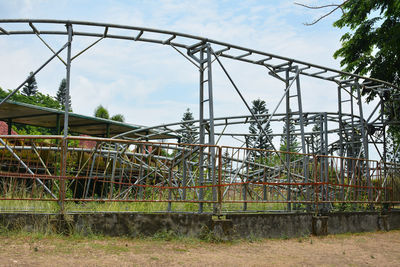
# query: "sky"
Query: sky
152,84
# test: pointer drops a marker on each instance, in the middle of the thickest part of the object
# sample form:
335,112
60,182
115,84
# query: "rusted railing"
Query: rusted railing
108,174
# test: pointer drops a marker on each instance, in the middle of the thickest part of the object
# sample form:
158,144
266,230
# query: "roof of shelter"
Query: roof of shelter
47,117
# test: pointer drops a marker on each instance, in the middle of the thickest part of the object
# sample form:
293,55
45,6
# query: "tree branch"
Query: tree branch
335,7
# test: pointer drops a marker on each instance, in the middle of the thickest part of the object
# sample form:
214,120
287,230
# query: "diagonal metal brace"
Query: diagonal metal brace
33,74
26,167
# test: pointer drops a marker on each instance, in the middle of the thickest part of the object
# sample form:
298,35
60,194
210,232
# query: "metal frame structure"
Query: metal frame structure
354,131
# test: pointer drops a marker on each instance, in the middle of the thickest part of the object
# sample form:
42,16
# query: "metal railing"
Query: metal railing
100,174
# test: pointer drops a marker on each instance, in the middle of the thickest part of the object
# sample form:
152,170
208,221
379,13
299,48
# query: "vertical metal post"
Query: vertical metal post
364,139
384,149
211,137
108,130
289,206
58,124
219,207
316,191
68,83
341,131
206,51
113,175
322,159
65,141
9,126
326,160
202,129
184,182
91,174
169,207
303,140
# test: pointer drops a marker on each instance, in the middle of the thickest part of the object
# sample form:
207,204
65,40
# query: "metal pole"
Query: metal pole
289,206
219,207
202,129
326,160
9,128
341,141
66,113
364,139
303,141
211,135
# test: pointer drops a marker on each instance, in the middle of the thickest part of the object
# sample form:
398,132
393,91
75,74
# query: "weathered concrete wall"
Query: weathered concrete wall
353,222
200,225
137,224
271,225
394,220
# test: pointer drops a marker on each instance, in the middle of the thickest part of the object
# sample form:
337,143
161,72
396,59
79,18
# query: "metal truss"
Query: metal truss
344,134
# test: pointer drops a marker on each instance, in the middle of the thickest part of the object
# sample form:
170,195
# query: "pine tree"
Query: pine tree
188,134
61,94
30,87
316,145
293,143
259,138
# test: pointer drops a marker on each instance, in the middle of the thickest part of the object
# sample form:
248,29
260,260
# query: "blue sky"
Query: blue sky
152,84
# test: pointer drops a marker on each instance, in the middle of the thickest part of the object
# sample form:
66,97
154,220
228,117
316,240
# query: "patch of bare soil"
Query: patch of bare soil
374,249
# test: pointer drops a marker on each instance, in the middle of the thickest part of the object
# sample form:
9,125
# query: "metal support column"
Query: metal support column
206,95
289,196
66,111
9,128
211,134
326,160
201,130
364,138
303,140
341,132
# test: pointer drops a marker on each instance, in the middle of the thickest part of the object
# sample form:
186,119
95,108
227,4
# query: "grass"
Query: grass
98,206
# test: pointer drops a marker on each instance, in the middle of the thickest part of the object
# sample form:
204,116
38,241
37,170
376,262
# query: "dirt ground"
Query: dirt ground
373,249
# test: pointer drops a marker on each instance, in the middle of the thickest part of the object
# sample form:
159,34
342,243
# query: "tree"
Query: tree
259,138
30,88
118,117
371,47
293,143
38,99
101,112
61,94
188,134
316,137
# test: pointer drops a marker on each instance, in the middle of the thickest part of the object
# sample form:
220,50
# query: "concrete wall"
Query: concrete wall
203,225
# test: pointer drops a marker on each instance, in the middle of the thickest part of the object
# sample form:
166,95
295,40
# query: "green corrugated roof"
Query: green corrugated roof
47,117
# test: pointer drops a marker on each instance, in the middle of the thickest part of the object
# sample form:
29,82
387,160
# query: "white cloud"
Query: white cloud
152,84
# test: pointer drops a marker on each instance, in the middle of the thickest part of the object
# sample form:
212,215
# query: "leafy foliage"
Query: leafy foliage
118,117
38,99
372,47
101,112
188,134
30,88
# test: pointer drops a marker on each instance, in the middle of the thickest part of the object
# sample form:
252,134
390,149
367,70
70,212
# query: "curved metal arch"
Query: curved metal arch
262,59
228,120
